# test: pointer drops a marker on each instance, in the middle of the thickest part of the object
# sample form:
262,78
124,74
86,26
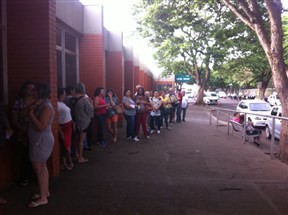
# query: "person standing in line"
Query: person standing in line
5,133
129,114
179,106
70,93
173,101
82,113
65,129
149,109
41,140
112,116
137,87
162,96
20,121
155,113
100,107
185,105
167,109
141,112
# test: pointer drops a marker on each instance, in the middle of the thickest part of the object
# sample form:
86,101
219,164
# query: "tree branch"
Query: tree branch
238,14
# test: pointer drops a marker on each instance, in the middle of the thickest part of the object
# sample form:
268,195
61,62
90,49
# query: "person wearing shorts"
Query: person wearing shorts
82,112
112,116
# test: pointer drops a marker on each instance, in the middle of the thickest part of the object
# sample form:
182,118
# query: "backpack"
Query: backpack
73,101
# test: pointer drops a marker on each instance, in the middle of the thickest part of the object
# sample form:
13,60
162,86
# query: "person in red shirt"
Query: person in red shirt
100,107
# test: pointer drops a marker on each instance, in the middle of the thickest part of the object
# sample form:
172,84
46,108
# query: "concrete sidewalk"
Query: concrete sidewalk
192,169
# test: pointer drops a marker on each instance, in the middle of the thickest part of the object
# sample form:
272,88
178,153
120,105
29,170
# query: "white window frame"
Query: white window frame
64,51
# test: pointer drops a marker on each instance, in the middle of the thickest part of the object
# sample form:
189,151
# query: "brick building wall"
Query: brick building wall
92,62
115,73
136,77
129,75
31,55
141,78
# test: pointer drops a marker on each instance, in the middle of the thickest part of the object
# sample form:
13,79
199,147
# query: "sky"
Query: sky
118,17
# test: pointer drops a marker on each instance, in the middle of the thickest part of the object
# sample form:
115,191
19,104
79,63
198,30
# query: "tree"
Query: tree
184,38
285,38
270,35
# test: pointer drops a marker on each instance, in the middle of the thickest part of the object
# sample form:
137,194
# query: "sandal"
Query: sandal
2,201
37,196
37,204
82,160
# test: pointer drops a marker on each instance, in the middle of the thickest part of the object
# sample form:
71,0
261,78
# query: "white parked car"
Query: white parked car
210,98
275,111
255,106
274,100
222,94
189,96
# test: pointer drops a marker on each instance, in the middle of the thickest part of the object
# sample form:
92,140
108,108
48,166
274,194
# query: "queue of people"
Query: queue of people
33,114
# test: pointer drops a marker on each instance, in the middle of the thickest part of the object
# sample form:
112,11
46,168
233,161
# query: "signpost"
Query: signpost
179,78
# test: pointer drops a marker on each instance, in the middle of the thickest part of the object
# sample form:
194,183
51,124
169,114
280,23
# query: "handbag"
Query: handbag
118,109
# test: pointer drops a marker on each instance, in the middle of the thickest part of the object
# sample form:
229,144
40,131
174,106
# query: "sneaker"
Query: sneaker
129,138
158,132
152,131
148,137
136,139
169,128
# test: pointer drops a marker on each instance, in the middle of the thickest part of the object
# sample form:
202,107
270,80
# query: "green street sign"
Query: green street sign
183,78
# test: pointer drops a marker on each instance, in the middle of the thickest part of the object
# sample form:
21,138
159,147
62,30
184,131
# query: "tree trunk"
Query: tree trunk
278,70
200,95
262,91
271,39
202,84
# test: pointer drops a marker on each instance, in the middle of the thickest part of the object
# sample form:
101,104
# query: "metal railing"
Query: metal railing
229,117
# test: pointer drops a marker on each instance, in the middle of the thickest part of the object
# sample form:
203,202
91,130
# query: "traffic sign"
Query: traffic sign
183,78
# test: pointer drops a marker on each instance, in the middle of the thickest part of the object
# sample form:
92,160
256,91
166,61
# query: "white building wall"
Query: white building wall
71,13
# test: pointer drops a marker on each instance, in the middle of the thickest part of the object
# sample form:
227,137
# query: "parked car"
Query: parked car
274,100
189,96
255,106
275,111
210,98
222,94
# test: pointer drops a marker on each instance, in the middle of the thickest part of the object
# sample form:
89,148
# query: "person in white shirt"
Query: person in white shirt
65,130
184,106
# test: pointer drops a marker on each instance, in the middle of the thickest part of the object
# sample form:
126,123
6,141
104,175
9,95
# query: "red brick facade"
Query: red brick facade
129,75
31,55
115,73
136,77
92,62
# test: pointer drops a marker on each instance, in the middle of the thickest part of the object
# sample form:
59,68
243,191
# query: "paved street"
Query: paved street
192,169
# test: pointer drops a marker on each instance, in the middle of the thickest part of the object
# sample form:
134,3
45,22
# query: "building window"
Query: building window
67,57
3,70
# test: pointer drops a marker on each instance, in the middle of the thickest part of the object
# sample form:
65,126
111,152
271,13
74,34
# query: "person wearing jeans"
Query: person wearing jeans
184,106
179,106
100,107
129,114
142,103
156,112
